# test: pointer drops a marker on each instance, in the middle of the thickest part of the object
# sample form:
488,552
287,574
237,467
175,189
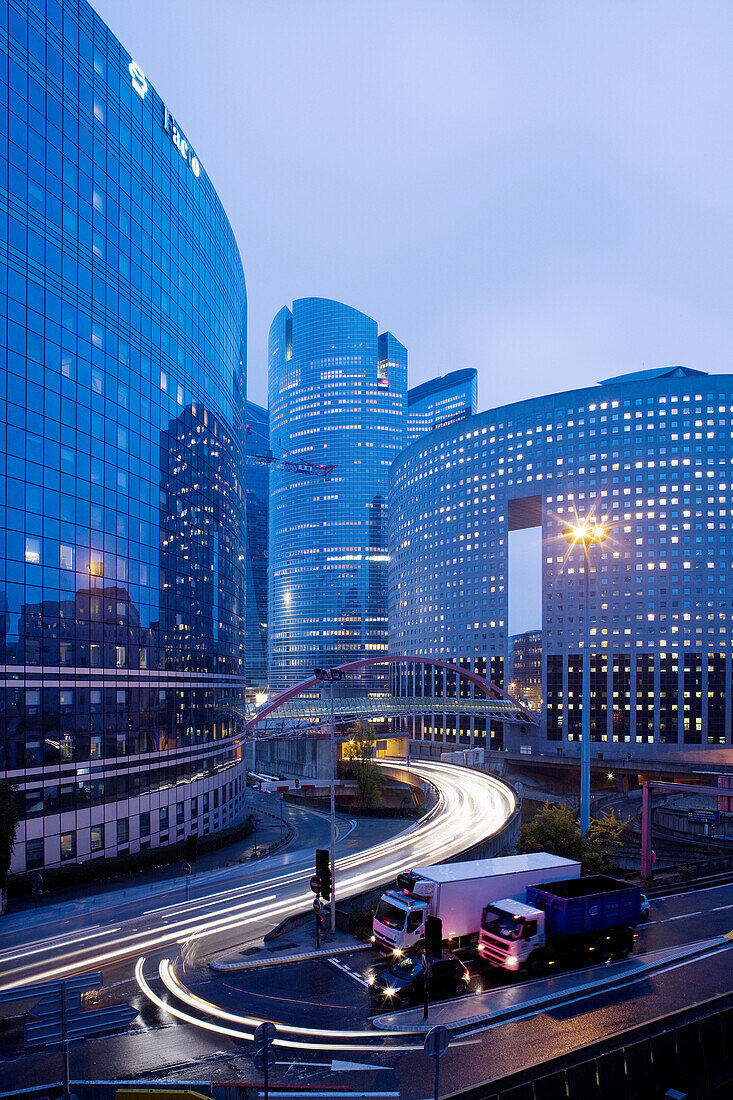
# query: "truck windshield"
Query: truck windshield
501,924
389,914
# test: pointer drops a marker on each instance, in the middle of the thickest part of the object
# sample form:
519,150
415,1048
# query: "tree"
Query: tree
8,827
556,829
360,750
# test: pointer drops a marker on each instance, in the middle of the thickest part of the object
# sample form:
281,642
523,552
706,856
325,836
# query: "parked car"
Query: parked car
403,981
645,908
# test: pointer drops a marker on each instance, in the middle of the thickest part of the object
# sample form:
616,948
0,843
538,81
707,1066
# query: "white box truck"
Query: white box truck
458,893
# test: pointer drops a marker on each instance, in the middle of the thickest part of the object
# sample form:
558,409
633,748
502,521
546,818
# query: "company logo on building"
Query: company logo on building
137,76
171,127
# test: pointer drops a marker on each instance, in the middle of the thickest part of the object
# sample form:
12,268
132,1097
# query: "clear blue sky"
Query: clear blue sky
542,190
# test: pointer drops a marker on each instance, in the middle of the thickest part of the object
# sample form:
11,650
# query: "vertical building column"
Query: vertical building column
704,693
657,689
681,697
632,698
565,719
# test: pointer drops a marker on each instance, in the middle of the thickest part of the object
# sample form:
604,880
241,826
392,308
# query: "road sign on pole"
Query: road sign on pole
435,1046
317,905
315,884
264,1057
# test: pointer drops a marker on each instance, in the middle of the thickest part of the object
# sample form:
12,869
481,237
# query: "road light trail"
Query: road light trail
471,806
330,1039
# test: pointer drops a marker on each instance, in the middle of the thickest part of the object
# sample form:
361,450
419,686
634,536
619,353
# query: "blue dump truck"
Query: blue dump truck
574,922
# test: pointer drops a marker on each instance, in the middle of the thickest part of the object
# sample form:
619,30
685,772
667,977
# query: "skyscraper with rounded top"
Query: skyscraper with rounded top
122,381
338,393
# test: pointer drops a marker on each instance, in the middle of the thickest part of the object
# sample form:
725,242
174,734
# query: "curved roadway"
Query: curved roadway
470,807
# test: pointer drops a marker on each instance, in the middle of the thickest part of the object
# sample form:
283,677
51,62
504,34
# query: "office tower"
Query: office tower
649,454
258,498
123,374
338,392
441,401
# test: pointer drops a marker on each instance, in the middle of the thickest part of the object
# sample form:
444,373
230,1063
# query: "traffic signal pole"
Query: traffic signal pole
333,817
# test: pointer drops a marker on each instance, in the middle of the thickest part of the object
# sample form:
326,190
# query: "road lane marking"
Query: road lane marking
680,916
698,890
718,908
347,970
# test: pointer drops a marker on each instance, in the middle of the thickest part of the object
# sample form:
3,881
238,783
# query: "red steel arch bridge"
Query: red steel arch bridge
299,710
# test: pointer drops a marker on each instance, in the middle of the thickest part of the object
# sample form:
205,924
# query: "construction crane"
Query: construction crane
292,465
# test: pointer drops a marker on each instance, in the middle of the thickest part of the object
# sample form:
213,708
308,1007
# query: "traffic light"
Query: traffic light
323,870
433,937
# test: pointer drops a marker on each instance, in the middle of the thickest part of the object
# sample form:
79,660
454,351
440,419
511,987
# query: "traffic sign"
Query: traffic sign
263,1057
436,1041
435,1046
317,905
710,817
187,868
315,884
265,1033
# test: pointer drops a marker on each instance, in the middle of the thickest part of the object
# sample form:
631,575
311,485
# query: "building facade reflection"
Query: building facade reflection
121,478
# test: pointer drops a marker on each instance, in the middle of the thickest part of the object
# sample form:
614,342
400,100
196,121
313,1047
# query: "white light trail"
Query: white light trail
471,806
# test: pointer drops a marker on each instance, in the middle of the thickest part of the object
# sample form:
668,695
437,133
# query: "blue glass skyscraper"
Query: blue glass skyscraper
258,498
441,401
122,381
337,397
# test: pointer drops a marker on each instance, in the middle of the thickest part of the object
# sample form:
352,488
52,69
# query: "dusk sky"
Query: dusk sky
541,190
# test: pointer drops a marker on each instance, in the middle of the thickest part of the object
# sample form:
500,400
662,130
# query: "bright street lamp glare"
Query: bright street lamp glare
585,533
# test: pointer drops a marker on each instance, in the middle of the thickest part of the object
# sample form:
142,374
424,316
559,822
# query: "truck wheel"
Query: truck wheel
537,964
603,950
623,946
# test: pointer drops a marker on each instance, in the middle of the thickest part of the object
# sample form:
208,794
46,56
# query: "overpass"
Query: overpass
299,710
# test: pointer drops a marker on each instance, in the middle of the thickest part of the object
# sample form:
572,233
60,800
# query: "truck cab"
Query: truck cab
510,932
399,922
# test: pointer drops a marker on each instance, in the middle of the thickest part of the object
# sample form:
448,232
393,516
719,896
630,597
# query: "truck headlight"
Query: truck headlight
512,962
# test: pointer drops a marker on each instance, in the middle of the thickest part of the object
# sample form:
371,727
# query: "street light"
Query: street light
329,676
585,534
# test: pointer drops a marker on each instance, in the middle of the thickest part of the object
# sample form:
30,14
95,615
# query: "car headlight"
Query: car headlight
389,991
397,952
370,979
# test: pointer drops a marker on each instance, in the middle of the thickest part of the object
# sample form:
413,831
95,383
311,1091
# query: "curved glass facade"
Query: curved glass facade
651,455
122,389
338,394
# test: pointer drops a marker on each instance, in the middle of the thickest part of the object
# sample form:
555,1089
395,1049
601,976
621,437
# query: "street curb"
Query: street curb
616,981
254,964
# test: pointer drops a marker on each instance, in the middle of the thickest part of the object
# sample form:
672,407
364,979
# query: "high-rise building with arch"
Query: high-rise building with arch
121,478
338,393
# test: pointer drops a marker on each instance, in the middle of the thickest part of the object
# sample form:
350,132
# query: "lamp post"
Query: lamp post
585,534
330,675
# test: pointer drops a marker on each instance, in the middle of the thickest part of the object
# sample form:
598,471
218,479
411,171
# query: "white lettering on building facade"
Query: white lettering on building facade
171,127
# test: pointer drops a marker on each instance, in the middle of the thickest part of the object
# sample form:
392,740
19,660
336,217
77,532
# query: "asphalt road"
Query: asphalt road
329,994
323,995
228,907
